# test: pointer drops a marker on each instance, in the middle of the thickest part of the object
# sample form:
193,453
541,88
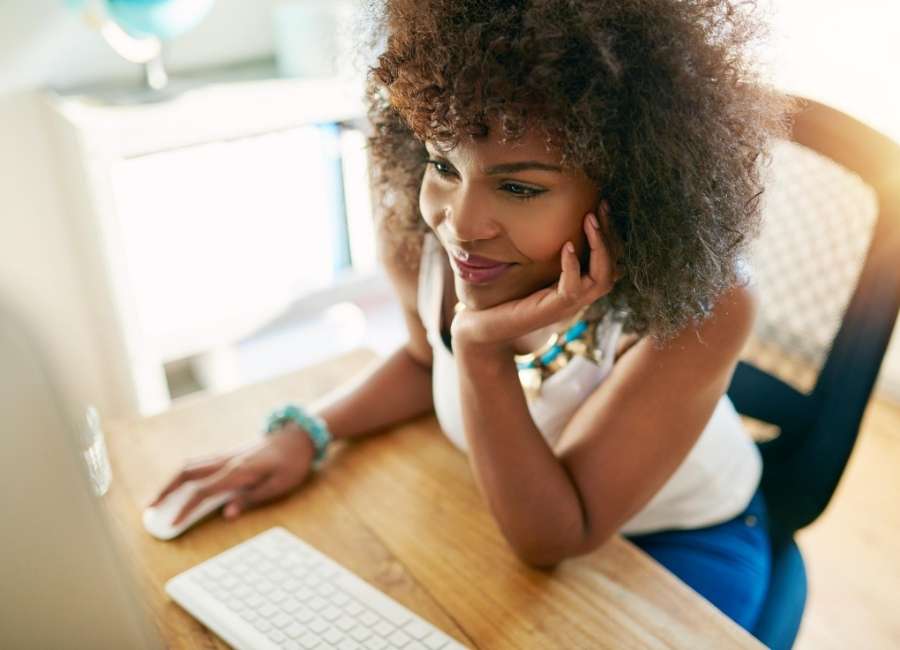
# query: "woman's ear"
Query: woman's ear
609,237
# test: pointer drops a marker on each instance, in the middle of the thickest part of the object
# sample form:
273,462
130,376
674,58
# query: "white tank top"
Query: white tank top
714,483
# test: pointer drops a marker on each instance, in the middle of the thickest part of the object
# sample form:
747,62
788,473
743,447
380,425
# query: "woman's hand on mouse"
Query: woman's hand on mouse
260,472
499,326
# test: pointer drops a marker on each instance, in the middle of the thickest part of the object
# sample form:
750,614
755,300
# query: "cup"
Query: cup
93,449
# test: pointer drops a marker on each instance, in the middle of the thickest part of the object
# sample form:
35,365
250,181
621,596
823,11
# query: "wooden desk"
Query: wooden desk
402,510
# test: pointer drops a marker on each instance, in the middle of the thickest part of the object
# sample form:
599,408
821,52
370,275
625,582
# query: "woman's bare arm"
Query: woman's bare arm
618,449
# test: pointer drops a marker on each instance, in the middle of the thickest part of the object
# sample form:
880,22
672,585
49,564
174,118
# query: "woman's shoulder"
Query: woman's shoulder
712,344
719,339
734,314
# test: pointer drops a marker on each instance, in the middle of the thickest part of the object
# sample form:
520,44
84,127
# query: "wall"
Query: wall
43,44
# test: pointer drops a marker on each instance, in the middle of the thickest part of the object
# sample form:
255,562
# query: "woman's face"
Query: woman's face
503,213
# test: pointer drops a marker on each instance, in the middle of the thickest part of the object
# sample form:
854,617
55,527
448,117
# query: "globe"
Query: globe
164,19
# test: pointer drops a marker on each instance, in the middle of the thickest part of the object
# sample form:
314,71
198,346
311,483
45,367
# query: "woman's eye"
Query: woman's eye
441,167
514,189
521,191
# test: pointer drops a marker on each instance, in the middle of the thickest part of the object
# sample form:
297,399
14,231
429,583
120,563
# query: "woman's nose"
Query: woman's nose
468,219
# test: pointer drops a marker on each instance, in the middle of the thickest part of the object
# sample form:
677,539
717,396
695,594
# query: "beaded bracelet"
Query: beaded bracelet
314,427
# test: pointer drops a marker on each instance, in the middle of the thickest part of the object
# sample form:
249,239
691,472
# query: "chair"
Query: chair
827,265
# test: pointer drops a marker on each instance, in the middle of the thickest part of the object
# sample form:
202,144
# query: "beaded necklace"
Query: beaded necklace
578,338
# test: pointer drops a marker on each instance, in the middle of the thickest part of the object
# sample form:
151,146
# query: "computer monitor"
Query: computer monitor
63,579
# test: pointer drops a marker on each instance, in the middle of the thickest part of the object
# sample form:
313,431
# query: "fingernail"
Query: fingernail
570,247
594,221
231,510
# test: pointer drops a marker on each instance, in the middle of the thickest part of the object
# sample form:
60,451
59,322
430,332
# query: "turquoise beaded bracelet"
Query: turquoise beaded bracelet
314,427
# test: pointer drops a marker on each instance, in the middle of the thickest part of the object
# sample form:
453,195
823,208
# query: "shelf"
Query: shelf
207,111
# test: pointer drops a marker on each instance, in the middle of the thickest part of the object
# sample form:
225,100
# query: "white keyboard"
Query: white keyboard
276,591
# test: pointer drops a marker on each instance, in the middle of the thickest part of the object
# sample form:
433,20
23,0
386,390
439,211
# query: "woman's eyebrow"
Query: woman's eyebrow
508,168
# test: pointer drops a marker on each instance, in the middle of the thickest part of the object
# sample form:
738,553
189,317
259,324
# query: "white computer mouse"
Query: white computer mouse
158,518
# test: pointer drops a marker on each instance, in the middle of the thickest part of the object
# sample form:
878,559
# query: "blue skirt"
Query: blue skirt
728,563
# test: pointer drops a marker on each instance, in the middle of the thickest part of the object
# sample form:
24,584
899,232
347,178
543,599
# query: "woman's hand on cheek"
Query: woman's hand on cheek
497,327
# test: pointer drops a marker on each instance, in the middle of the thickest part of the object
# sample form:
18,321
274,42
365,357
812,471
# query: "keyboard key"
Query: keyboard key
385,607
277,636
399,639
254,600
325,568
330,613
317,604
276,575
294,630
360,633
267,610
309,641
354,608
376,643
269,551
368,618
206,582
319,626
384,628
436,640
214,571
332,636
304,615
302,593
345,624
417,629
240,569
281,620
291,605
277,596
339,598
262,625
326,589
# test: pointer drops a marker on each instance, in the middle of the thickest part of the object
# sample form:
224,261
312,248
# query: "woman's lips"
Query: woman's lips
479,270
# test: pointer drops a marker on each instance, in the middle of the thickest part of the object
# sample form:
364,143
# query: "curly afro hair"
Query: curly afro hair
657,101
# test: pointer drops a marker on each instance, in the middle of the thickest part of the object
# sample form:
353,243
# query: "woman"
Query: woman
566,190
